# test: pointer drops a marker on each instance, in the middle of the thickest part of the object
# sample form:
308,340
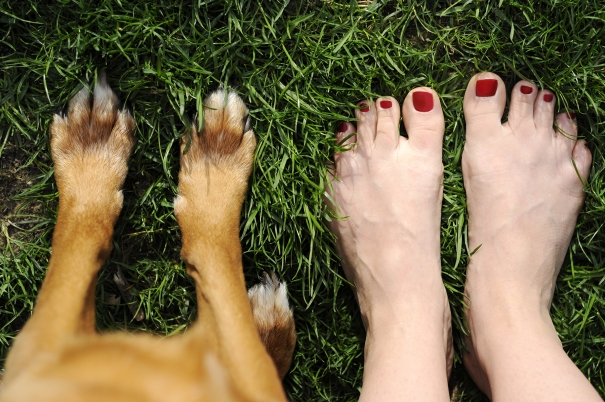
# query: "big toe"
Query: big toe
484,102
423,119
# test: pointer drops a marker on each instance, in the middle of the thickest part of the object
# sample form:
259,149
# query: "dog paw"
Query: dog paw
216,160
90,146
274,320
225,138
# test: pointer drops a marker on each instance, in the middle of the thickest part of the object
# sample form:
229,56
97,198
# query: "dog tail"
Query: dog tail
274,320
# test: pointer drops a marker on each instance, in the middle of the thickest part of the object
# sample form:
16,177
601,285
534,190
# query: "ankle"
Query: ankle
508,298
415,316
505,322
415,332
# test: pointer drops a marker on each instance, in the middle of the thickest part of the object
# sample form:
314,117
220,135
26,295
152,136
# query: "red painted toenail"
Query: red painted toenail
423,101
386,104
486,88
366,107
548,97
343,127
526,90
571,116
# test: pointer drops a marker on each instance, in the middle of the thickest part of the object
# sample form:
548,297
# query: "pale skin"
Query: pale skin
523,196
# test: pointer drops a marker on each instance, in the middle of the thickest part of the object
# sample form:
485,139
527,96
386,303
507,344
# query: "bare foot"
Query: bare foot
390,188
524,195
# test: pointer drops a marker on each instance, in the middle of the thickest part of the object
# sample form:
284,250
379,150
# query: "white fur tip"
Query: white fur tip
103,91
176,202
216,100
269,300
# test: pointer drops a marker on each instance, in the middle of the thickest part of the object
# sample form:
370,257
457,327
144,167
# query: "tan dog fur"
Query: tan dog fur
58,356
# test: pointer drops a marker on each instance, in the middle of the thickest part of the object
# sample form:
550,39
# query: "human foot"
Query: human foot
389,190
524,186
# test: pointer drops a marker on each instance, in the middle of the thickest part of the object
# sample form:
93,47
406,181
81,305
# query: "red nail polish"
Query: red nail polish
343,127
422,101
571,116
366,108
386,104
548,97
526,90
486,88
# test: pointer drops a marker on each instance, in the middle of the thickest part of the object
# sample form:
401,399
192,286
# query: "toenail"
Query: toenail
386,104
526,90
423,101
548,97
486,88
343,127
571,116
366,107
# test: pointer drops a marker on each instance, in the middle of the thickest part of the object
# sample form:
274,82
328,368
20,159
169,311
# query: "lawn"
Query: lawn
300,65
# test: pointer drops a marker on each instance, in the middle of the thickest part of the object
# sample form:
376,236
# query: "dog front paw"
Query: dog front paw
216,161
91,145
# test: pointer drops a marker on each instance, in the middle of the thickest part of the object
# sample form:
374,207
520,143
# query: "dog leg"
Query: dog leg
215,165
90,148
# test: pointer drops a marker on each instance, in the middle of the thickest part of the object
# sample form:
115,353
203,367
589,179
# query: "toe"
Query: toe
582,159
387,123
345,134
522,102
484,102
423,119
566,131
346,139
544,111
366,124
78,111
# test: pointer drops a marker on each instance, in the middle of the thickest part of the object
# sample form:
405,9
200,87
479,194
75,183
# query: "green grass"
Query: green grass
300,66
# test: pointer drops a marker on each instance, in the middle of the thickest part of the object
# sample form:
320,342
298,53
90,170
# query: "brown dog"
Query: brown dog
58,356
